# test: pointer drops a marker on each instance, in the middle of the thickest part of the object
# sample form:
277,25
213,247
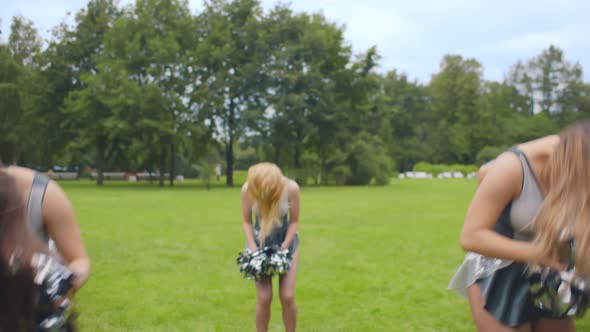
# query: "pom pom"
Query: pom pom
264,262
559,294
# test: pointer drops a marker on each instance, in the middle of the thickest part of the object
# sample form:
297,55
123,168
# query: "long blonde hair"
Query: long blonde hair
266,186
565,213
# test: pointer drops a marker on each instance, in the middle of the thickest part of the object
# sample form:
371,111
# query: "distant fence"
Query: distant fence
63,175
134,177
443,175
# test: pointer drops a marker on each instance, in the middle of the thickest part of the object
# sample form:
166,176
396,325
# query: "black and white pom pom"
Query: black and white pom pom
559,294
264,262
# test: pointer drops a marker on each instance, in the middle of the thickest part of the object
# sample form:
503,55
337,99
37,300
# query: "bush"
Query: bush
465,169
488,153
436,169
340,174
301,175
369,160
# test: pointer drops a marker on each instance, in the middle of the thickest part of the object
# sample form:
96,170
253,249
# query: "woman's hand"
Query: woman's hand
81,270
552,261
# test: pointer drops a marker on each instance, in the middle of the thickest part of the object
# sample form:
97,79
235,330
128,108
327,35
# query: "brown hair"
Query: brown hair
266,185
565,213
18,294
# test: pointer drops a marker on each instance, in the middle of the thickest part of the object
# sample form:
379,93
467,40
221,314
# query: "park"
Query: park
149,113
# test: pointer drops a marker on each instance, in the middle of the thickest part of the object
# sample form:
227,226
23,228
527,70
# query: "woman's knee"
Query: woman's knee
287,298
264,297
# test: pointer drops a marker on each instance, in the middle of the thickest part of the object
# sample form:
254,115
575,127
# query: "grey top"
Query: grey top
35,206
516,221
525,207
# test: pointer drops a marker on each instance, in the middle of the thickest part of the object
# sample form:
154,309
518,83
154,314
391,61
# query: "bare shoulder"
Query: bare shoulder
506,172
56,202
540,147
245,187
23,178
244,194
20,173
54,190
292,187
539,151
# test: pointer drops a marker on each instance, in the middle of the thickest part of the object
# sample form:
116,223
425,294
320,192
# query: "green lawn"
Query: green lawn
371,259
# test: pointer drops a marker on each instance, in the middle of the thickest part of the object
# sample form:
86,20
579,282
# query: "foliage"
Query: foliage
436,169
151,86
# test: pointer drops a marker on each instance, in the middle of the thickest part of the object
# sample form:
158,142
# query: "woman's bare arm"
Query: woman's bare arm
59,218
247,218
294,208
499,186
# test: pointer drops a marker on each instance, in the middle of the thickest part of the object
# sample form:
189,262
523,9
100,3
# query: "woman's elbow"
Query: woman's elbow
466,241
81,271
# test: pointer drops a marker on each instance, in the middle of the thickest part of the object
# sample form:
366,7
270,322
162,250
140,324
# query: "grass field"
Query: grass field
371,258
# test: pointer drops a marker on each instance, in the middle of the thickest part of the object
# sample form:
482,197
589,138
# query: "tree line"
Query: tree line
153,87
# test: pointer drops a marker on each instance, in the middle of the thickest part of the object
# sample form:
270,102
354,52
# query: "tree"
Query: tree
231,68
152,40
24,41
412,122
21,89
10,105
455,93
99,111
549,81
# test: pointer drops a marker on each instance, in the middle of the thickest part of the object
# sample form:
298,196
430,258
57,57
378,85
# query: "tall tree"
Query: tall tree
87,114
455,93
232,68
412,123
25,45
10,105
24,41
111,97
549,80
152,39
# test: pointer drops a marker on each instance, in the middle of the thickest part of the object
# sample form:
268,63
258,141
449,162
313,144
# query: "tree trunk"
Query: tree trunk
17,154
162,162
229,146
100,147
229,158
297,157
277,154
172,156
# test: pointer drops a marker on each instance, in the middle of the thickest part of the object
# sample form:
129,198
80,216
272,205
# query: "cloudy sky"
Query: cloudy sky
413,36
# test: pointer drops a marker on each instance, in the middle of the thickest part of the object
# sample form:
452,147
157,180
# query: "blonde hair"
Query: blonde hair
565,213
266,185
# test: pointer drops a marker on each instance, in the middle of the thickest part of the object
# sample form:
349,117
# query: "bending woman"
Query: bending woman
274,200
50,216
34,284
531,198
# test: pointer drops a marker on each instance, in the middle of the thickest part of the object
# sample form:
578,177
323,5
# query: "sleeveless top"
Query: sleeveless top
35,208
279,233
53,277
515,222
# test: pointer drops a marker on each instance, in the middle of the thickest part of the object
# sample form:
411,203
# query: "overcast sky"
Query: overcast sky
412,36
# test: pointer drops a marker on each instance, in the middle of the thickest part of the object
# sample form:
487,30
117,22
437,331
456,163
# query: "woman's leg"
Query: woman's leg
287,295
263,300
484,321
549,325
